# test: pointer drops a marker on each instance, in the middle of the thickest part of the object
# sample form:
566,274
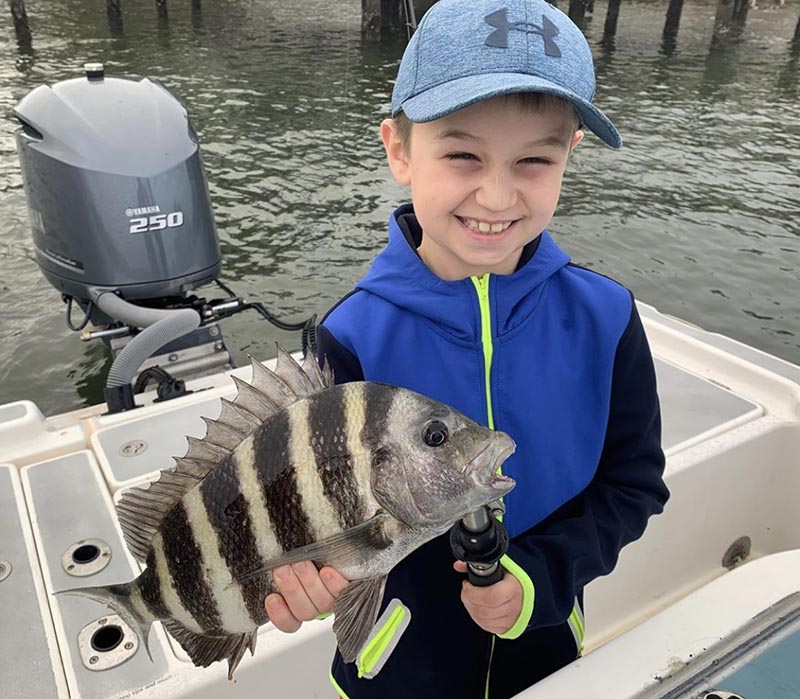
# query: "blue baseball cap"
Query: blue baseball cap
465,51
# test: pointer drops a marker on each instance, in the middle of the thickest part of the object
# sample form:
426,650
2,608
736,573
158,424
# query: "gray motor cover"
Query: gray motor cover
115,186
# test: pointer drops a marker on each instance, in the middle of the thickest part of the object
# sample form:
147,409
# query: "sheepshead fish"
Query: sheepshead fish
295,468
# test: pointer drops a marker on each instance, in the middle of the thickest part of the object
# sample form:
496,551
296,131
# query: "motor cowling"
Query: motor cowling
115,186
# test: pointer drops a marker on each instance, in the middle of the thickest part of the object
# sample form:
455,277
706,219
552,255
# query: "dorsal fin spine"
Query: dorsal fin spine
293,375
254,400
142,509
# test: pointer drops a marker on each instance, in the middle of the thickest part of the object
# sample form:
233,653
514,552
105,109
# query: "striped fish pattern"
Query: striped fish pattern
296,468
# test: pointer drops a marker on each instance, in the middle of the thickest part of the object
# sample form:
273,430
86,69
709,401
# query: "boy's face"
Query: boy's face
485,181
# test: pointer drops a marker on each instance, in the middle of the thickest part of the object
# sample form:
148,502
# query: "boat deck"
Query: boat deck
731,420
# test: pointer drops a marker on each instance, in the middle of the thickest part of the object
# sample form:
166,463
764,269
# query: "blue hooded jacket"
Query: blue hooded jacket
554,355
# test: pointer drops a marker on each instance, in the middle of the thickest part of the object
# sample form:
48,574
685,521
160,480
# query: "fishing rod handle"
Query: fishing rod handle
484,578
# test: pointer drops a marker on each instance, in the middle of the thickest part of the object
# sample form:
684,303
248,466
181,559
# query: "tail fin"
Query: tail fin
118,598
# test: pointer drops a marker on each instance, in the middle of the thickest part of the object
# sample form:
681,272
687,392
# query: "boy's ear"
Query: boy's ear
395,152
576,139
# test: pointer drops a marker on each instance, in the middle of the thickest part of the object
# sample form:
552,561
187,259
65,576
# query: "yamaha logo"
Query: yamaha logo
142,211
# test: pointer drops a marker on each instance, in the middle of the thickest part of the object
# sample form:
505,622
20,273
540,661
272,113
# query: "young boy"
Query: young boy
473,304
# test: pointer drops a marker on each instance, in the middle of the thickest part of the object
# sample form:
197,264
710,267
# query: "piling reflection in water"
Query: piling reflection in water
22,27
114,13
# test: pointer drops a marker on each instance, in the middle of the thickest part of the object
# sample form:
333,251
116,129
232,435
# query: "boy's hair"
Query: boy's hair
533,101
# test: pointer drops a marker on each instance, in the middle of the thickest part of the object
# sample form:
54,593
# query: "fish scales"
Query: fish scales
149,584
228,600
356,406
233,548
185,564
337,448
279,483
252,490
320,513
356,476
169,589
375,421
138,603
229,514
236,549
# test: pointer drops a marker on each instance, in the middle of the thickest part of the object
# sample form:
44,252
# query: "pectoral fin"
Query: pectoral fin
354,544
356,610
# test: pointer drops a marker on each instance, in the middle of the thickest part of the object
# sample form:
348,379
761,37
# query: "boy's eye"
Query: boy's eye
537,161
460,156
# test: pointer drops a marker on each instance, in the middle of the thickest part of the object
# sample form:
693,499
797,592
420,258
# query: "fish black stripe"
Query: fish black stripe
328,418
279,483
229,514
185,563
150,588
378,399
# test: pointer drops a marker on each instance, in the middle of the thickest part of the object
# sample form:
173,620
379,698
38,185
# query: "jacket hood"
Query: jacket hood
399,275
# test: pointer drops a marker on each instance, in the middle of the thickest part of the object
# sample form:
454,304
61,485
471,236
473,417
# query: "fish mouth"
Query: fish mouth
485,467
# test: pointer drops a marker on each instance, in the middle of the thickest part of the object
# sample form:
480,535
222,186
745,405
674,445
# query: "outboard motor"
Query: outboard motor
116,190
122,225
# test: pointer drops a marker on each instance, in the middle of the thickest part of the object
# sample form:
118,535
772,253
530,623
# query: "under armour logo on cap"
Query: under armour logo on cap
499,37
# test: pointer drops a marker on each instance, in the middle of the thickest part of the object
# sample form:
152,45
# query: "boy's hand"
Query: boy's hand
494,608
305,593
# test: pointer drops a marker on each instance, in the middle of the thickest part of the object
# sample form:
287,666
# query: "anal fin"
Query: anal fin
205,649
355,611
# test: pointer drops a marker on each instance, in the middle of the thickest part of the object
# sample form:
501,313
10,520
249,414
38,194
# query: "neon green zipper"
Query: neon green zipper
482,287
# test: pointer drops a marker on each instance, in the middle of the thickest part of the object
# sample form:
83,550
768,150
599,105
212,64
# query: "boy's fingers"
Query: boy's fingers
294,594
490,597
333,580
318,594
280,615
489,613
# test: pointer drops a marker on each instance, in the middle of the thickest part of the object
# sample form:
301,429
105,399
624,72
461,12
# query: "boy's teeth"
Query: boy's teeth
484,227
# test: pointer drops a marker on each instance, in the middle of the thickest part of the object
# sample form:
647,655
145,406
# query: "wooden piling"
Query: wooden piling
722,23
197,14
740,8
371,20
669,37
114,13
796,38
673,18
577,11
161,9
21,26
612,15
392,15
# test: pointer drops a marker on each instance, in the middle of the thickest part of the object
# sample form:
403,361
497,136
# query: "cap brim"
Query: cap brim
446,98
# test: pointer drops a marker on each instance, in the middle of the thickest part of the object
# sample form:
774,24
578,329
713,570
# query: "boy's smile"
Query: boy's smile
484,181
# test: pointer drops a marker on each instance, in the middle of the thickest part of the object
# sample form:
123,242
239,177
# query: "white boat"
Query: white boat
701,606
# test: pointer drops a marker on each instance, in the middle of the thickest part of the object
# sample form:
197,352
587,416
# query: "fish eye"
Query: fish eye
435,433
